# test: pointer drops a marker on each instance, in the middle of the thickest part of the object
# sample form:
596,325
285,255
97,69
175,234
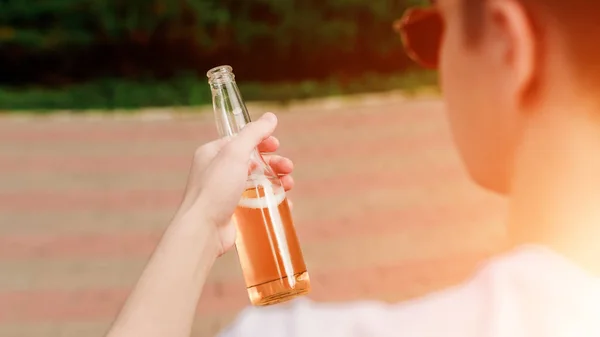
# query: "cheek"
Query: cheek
475,110
457,86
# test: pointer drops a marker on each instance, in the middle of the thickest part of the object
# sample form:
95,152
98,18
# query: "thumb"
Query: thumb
253,134
224,181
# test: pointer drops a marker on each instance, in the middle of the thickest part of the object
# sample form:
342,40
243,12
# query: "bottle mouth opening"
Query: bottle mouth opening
219,71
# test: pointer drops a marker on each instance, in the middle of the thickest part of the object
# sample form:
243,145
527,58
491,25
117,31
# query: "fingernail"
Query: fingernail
269,116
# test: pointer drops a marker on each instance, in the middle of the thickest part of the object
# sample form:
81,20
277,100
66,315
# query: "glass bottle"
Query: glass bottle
267,245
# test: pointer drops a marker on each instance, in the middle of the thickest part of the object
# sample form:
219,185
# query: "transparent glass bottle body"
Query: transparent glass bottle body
267,244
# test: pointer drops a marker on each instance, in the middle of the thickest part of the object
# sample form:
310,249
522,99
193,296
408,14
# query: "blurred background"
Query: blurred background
92,54
102,104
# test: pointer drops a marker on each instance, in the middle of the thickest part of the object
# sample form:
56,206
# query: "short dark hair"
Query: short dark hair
578,19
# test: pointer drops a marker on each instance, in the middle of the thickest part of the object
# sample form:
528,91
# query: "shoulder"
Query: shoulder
435,314
492,302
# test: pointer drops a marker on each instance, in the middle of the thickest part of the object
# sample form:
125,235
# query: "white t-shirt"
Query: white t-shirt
528,292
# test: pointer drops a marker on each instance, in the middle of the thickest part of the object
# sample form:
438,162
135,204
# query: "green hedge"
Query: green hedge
190,91
54,42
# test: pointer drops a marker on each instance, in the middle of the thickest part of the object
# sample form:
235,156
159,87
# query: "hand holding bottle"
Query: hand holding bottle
267,244
219,172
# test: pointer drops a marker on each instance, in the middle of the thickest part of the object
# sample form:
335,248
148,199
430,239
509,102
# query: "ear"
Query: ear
515,46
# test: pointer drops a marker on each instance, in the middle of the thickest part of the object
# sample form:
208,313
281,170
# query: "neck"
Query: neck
555,195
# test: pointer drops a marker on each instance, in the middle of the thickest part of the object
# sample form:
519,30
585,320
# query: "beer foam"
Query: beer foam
274,195
263,202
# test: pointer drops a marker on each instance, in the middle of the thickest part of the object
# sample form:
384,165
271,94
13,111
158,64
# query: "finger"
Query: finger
287,182
202,158
268,145
206,152
216,144
280,165
252,135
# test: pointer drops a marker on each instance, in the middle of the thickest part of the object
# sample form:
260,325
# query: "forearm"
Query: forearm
163,302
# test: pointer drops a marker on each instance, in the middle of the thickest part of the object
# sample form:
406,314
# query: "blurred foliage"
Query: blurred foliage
59,42
81,54
214,23
189,91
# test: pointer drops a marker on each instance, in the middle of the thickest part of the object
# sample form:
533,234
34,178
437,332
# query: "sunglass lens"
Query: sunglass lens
422,31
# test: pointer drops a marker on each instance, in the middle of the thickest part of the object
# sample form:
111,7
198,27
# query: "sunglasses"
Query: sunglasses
421,30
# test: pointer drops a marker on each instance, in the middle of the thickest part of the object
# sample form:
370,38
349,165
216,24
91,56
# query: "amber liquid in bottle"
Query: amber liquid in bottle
268,248
267,244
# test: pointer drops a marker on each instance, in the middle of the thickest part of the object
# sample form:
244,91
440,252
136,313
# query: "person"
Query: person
518,80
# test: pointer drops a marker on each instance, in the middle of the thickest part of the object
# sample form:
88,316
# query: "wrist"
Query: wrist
197,234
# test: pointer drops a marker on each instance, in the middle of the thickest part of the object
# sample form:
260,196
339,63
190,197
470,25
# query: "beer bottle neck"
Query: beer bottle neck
231,114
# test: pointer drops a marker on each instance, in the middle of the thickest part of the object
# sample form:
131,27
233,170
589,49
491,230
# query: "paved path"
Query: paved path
382,207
